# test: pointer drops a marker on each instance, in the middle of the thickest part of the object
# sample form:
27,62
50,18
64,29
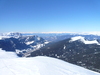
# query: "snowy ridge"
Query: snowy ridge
10,34
30,42
83,40
40,65
21,43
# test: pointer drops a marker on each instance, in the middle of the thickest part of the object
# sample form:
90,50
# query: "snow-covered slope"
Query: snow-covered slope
6,55
39,66
83,40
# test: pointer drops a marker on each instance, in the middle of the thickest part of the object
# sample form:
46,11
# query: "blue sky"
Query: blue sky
49,15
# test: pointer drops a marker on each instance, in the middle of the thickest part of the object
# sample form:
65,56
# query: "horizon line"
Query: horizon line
92,32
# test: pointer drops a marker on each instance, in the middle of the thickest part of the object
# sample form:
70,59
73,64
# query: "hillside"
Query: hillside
81,52
40,65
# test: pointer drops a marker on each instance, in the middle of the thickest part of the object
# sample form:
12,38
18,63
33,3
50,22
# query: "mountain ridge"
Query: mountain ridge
76,52
21,44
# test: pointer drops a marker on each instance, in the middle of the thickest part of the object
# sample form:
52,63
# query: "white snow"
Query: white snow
83,40
40,65
30,42
10,34
4,54
38,46
38,38
64,47
46,42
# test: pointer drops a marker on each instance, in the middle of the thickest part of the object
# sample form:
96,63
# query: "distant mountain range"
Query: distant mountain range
61,36
20,44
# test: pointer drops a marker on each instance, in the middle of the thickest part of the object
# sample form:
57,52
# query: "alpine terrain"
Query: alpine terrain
21,44
10,64
76,50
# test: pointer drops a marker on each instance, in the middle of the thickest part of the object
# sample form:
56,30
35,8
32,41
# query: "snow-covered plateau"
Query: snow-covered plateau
39,65
84,41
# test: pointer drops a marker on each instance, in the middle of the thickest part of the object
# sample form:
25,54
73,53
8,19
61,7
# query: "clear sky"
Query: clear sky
49,15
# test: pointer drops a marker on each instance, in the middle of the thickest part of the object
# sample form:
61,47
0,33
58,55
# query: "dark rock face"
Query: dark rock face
10,44
86,55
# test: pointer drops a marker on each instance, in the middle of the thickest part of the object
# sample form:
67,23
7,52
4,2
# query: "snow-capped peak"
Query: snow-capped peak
10,34
13,34
84,41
